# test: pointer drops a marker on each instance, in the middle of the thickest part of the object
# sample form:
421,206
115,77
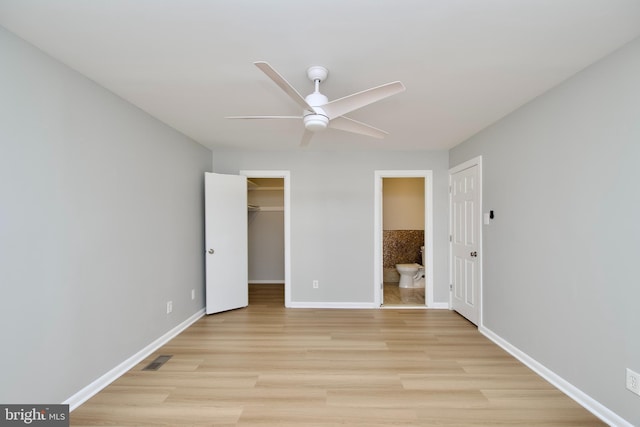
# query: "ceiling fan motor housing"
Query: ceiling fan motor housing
316,120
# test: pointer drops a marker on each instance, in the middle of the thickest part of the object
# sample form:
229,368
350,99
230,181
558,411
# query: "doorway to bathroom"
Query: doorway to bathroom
268,231
403,233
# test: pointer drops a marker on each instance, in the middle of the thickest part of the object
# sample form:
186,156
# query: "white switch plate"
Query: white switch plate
487,219
169,306
315,284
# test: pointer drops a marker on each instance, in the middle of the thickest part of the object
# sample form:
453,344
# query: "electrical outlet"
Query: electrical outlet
315,284
193,294
633,381
169,306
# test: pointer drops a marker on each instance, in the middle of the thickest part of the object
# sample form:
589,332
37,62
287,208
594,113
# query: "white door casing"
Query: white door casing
226,248
465,189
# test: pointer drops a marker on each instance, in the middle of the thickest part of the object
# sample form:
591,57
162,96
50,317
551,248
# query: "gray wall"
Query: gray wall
560,277
266,247
101,222
332,216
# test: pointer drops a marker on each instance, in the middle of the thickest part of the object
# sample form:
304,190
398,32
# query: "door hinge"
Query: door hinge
450,286
450,238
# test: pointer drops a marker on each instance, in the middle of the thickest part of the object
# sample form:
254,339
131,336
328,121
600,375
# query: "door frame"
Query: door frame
476,161
286,176
428,230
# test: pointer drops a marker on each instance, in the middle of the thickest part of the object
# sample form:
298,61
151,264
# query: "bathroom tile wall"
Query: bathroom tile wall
400,247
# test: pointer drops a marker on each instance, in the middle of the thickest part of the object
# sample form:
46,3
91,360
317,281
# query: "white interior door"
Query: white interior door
226,242
465,247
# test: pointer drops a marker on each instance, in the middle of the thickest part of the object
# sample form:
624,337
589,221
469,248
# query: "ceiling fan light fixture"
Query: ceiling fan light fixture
315,122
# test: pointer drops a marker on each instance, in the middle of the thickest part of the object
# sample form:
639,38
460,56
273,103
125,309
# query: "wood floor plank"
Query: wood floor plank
467,381
266,365
331,381
196,380
258,396
313,416
505,417
358,398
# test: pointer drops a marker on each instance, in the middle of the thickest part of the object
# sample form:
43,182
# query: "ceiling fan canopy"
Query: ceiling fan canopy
318,112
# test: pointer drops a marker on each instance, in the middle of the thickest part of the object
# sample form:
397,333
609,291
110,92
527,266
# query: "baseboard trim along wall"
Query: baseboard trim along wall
267,282
92,389
333,305
592,405
440,306
358,305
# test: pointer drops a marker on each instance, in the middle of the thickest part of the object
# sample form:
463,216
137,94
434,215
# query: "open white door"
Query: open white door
465,242
226,242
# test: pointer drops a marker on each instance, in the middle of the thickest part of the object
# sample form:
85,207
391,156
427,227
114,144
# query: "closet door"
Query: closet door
226,242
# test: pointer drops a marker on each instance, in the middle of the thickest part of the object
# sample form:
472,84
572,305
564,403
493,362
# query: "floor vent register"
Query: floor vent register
157,363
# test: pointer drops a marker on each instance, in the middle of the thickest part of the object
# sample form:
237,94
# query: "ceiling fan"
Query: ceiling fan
318,113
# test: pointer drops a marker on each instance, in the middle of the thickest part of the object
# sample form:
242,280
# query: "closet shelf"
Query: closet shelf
252,188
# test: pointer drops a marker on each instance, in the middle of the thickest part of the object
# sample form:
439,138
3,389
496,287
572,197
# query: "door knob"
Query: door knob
211,251
474,254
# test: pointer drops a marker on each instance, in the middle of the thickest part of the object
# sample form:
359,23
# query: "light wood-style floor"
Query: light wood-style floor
270,366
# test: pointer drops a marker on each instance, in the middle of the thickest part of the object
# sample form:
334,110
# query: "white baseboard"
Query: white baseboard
267,282
358,305
296,304
589,403
440,306
90,390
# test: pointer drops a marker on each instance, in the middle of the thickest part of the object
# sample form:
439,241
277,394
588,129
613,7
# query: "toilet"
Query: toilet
412,275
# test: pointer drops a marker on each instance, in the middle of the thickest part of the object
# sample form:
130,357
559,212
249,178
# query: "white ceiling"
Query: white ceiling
465,63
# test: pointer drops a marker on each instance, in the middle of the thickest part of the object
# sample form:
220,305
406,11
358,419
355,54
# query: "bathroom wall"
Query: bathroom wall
402,247
402,222
403,203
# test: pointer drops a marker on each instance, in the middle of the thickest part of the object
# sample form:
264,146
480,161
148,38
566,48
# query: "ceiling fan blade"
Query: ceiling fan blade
349,125
264,117
284,85
350,103
306,137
